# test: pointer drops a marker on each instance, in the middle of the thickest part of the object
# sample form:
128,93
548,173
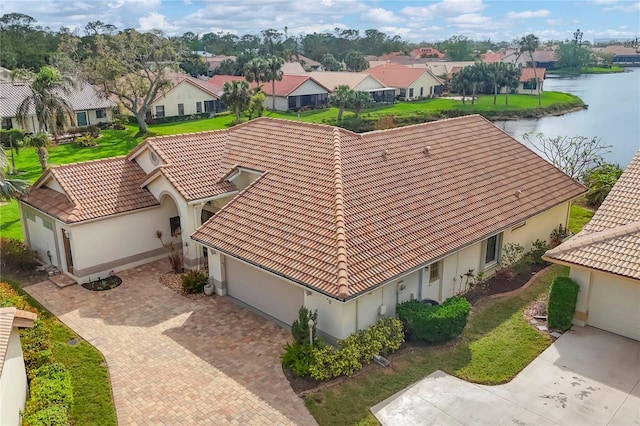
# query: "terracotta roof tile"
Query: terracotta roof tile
396,75
528,74
611,240
7,318
284,87
93,189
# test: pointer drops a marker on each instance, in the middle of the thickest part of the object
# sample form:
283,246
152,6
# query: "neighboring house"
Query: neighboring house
411,83
89,106
214,61
292,93
427,52
605,260
286,213
13,376
357,81
188,96
491,57
528,83
308,62
293,68
541,58
446,67
622,55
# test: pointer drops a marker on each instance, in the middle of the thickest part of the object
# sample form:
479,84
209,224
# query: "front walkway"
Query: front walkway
177,361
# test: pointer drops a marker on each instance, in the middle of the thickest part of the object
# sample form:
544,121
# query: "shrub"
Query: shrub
298,357
9,297
562,303
36,346
538,249
85,141
300,327
51,396
383,337
14,254
557,236
510,261
599,182
434,323
54,415
194,282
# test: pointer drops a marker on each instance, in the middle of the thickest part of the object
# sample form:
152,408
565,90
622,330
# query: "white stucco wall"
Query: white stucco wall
308,88
425,81
282,103
13,382
537,227
38,237
183,93
369,83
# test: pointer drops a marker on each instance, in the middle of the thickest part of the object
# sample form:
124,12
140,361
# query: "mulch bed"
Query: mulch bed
103,284
494,286
174,282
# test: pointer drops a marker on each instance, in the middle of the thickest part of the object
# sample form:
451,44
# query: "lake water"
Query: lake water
613,114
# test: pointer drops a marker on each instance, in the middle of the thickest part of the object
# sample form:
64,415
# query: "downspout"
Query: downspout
420,278
357,314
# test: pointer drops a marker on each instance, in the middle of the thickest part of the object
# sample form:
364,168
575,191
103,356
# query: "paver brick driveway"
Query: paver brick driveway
177,361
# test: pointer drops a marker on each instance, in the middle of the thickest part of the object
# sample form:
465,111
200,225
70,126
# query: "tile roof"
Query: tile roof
7,317
610,242
334,207
85,97
284,87
179,78
93,189
332,79
490,57
528,74
396,75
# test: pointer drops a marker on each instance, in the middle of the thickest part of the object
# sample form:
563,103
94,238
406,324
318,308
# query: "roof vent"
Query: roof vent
426,149
518,193
385,153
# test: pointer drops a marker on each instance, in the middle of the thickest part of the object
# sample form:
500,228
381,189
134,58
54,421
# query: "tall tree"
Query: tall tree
256,70
573,54
133,67
461,82
256,103
511,80
274,72
340,98
457,48
48,91
330,63
355,61
477,77
40,141
12,139
360,100
236,95
529,44
9,188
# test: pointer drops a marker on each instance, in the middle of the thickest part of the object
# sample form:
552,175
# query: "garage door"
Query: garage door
267,293
615,306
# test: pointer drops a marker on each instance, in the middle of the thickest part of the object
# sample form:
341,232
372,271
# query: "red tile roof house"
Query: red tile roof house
410,83
605,260
287,213
88,105
528,80
292,93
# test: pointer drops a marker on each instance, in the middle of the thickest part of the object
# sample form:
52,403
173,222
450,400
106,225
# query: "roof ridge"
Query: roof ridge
341,235
596,237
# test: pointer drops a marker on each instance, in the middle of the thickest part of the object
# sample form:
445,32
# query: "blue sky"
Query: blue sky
412,20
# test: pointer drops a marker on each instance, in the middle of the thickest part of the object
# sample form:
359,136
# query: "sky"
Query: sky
412,20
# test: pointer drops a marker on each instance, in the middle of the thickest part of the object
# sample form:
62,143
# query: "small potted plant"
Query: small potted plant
209,288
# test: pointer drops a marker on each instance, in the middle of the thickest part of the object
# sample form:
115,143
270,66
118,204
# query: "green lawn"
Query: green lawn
494,347
578,218
93,402
588,70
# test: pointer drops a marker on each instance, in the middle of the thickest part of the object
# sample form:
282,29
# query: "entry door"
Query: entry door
67,251
431,282
81,118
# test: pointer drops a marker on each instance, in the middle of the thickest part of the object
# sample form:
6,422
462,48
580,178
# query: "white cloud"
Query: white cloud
445,8
555,22
604,1
382,16
155,20
527,14
187,2
470,20
632,7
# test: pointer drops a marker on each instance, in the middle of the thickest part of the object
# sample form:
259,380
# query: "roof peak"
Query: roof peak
341,234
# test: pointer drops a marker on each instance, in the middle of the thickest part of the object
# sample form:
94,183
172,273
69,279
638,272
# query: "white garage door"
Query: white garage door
615,306
267,293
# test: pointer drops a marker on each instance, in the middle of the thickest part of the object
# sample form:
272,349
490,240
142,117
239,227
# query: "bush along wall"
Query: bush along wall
434,323
562,303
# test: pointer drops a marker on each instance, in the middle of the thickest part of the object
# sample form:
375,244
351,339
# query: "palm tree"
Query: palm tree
48,89
9,188
477,76
255,70
41,142
340,98
274,72
511,80
360,100
529,44
460,82
13,138
236,95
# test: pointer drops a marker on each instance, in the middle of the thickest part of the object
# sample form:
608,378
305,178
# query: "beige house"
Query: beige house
13,376
605,260
188,96
411,83
358,81
89,106
285,213
529,81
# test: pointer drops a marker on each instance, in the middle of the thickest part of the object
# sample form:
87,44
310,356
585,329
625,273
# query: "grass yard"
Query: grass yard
612,69
578,217
494,347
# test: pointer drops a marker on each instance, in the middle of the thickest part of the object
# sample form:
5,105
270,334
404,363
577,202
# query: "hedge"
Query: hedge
434,323
51,396
383,337
562,303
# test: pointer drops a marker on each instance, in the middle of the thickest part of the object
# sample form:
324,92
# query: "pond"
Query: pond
613,114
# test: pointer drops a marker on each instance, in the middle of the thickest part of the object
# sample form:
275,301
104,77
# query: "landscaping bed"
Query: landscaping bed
495,286
174,282
103,284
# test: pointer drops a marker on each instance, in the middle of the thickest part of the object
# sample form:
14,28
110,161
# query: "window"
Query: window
422,91
434,272
31,216
198,107
209,106
101,113
411,92
159,111
403,93
174,223
492,249
530,85
180,109
81,118
7,123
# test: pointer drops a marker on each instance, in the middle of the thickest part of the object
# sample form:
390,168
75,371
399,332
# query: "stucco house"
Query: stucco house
605,260
359,81
527,84
292,93
13,376
411,83
89,106
285,213
187,96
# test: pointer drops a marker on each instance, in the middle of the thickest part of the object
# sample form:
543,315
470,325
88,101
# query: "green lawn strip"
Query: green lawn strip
588,70
10,220
578,217
494,347
93,402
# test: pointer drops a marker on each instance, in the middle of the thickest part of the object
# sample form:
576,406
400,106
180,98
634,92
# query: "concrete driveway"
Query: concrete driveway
176,361
586,377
